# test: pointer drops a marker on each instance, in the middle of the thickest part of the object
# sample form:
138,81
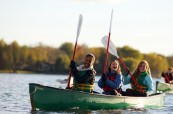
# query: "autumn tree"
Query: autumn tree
2,49
170,60
67,48
158,63
131,64
99,53
62,63
127,52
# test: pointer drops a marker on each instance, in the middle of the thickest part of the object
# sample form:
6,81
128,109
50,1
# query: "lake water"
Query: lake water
14,95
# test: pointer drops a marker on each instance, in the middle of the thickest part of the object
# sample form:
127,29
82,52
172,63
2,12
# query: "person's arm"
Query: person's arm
74,70
150,86
116,83
100,83
127,79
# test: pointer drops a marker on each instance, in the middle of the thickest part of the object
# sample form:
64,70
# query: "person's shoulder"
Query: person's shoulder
93,71
120,76
148,76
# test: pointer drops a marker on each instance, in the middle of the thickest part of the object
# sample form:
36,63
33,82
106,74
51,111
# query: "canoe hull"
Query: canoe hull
164,87
53,99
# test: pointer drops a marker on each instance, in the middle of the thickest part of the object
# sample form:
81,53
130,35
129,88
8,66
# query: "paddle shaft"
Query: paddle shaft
106,59
70,73
127,70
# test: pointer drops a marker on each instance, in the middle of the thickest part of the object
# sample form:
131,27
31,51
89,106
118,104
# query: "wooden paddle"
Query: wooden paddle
112,49
78,32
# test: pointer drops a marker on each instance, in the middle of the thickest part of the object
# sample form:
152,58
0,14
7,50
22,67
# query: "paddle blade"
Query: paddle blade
111,21
79,26
112,49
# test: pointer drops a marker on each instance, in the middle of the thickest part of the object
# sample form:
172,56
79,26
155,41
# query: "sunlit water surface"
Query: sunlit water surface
14,95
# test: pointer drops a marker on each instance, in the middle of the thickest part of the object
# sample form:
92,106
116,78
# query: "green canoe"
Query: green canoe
164,87
54,99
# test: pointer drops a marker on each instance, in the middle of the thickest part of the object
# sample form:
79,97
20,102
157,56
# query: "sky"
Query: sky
145,25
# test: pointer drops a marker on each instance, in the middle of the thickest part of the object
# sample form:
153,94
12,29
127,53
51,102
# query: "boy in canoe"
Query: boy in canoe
112,81
144,83
84,75
168,76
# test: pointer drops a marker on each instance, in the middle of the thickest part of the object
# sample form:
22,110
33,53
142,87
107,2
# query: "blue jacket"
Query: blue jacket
117,83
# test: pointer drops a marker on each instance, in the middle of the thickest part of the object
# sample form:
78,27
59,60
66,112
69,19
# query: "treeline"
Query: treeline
46,59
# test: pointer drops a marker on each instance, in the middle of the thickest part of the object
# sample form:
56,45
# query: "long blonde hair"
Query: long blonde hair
136,72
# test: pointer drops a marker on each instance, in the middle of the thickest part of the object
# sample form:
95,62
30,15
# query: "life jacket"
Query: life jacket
111,77
140,80
85,86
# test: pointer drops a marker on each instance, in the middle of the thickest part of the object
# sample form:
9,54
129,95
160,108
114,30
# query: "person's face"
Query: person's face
114,66
88,62
143,67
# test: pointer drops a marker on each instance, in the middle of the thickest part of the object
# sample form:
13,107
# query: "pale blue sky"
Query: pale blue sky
146,25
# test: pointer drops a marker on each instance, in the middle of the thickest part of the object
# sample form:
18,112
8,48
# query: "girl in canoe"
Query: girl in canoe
168,76
143,78
112,81
84,75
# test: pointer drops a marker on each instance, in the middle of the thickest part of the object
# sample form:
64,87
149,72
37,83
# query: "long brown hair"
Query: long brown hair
118,65
137,72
